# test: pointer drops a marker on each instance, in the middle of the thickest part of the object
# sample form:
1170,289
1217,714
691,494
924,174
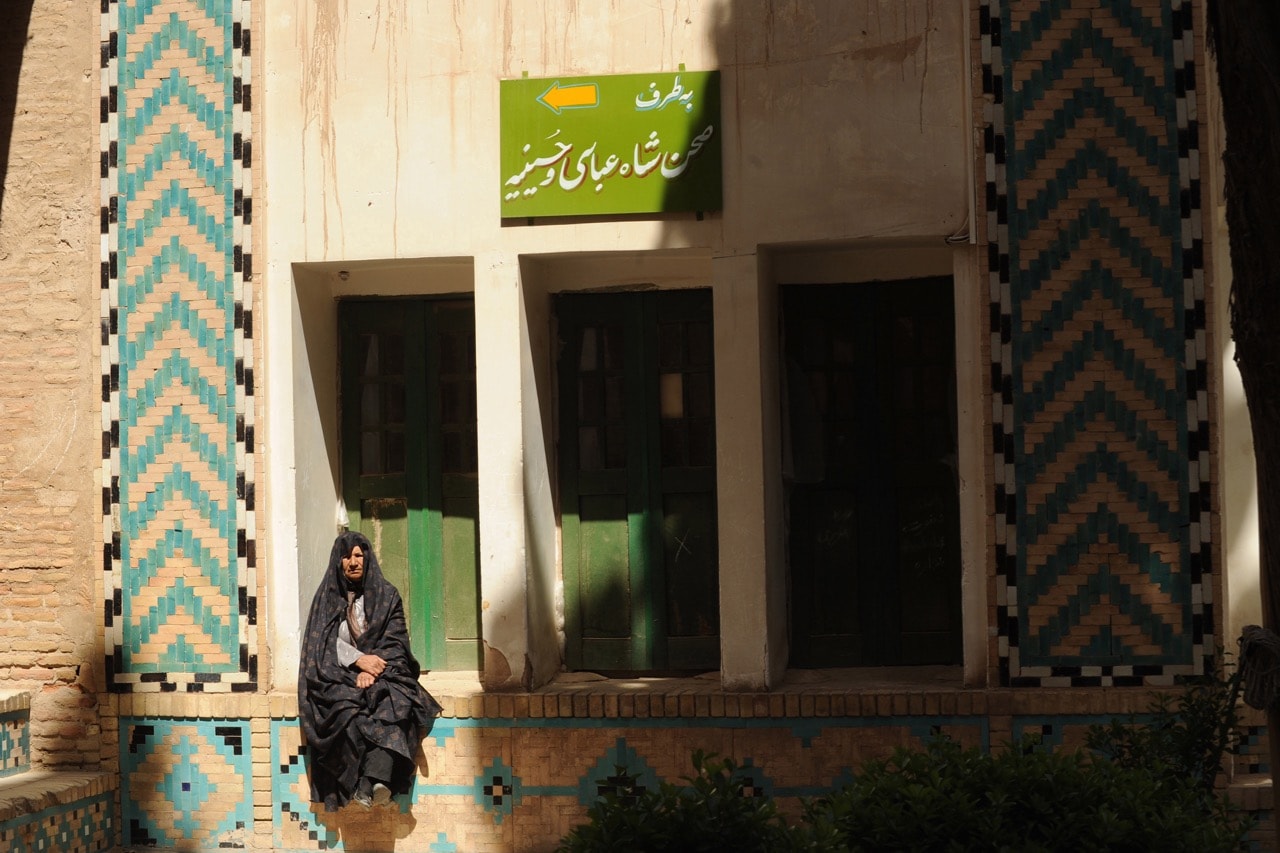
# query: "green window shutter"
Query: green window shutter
637,481
409,462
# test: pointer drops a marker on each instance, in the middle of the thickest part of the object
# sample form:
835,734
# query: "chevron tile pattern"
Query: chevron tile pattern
1098,345
177,346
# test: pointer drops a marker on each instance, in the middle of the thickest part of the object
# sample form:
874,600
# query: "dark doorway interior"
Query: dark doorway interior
872,493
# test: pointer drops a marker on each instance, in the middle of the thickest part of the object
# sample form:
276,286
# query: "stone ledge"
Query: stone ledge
11,701
1251,792
881,692
37,790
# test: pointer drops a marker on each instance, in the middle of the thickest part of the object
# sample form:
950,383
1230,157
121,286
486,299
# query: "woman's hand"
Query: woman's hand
371,665
364,680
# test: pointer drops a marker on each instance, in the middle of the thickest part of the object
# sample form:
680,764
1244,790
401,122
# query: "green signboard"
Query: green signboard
623,143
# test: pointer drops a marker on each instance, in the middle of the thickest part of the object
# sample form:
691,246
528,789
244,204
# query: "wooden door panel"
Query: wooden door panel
637,475
604,547
385,521
409,462
690,554
873,506
460,562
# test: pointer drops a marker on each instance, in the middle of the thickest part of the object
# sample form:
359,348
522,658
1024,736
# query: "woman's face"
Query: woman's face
353,564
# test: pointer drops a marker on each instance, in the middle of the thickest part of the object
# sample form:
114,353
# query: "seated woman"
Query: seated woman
362,710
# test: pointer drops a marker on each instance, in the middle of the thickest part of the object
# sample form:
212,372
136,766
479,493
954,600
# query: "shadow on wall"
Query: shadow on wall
14,18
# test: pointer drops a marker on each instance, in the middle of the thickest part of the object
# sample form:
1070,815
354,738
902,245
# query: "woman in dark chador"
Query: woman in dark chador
363,712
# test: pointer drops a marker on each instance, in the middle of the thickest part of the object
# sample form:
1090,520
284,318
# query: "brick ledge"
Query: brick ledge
37,790
1251,792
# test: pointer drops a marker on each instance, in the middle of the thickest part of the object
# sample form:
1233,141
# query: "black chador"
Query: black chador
361,739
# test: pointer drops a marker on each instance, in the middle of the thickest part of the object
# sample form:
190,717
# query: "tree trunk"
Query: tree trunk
1246,42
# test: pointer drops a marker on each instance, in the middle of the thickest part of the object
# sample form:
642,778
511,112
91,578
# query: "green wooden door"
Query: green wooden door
637,481
409,462
872,492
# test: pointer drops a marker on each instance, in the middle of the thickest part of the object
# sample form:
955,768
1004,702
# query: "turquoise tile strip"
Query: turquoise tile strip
1096,280
179,556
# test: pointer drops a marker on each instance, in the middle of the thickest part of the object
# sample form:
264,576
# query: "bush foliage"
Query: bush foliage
1142,785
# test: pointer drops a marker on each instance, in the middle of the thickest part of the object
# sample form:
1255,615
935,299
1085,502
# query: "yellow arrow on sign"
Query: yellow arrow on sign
577,96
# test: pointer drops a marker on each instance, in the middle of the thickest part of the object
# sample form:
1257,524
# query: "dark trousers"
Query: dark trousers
378,764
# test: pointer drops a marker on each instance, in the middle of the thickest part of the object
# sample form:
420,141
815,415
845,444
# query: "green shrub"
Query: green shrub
711,813
1024,798
1184,738
1144,784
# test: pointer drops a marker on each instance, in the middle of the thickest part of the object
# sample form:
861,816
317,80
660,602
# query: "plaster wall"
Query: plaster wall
381,153
382,133
1237,475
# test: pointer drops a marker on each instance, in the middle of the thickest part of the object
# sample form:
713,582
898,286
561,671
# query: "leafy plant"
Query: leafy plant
1184,738
1144,784
713,812
1022,798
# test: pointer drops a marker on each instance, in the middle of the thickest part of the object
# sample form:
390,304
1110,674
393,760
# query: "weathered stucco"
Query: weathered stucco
840,123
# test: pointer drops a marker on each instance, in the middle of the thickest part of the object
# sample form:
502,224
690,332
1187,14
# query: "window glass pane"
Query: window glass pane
673,444
394,396
369,346
590,404
371,452
702,443
812,345
395,452
697,394
590,457
615,446
842,352
370,405
451,404
590,358
453,357
452,458
393,355
614,344
670,346
698,344
671,395
614,401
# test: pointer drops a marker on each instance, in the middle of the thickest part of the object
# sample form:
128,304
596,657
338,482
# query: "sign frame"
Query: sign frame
610,144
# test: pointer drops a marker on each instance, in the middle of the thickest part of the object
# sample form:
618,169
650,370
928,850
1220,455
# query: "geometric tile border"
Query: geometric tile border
84,826
186,781
1098,341
495,781
15,742
487,774
178,502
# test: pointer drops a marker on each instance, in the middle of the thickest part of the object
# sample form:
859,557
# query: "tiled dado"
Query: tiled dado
15,733
58,813
516,771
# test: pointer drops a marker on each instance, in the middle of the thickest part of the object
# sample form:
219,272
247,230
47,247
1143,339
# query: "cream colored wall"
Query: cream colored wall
839,120
1235,480
843,125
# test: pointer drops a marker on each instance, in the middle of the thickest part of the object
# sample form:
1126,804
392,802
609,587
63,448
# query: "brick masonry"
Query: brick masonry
49,612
